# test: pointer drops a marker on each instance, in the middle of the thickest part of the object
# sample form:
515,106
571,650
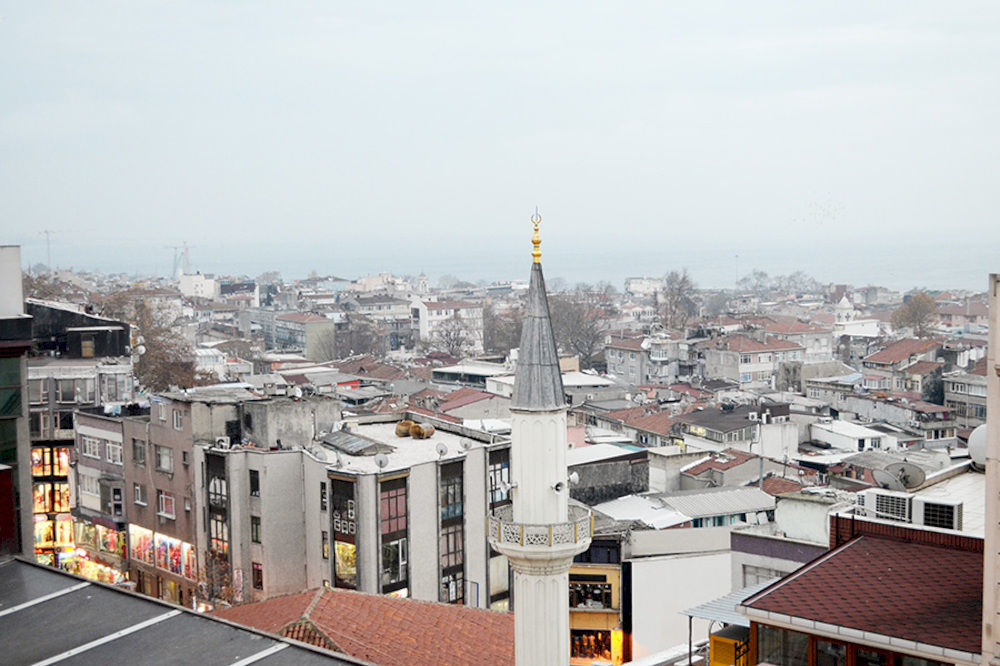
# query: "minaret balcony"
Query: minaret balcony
509,537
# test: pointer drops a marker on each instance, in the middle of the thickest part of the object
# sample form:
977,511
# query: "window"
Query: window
90,446
778,646
165,502
326,544
113,452
344,535
258,576
87,345
89,484
255,529
830,654
161,411
589,594
178,420
450,495
36,391
322,496
254,483
164,459
139,494
452,563
499,475
185,458
65,391
138,451
393,507
218,532
392,514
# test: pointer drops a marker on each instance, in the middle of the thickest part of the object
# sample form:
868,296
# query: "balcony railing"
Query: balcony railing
503,529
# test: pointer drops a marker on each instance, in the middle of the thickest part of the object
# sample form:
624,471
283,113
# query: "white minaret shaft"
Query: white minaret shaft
540,534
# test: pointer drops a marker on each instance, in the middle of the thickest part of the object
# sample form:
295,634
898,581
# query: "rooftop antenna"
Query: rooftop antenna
48,247
381,460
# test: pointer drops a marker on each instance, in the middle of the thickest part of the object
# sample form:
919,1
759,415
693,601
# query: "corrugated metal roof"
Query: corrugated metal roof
351,444
723,609
719,501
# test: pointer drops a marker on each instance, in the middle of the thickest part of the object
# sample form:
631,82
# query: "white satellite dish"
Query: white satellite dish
466,443
977,447
442,449
886,480
381,460
907,474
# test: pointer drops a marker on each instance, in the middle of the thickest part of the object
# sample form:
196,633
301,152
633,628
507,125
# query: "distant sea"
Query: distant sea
900,266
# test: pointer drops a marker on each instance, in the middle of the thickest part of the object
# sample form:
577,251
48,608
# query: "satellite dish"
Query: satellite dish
977,446
574,478
296,392
886,480
466,443
907,473
381,460
442,449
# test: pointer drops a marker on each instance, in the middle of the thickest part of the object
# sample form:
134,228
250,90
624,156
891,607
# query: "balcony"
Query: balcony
503,531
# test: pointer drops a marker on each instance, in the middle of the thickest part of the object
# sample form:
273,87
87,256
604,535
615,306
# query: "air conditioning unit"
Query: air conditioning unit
942,513
222,442
887,504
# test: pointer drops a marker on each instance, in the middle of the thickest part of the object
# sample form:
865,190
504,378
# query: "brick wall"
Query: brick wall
844,528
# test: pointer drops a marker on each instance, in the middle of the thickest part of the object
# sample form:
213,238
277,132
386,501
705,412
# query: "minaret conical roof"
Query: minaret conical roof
538,380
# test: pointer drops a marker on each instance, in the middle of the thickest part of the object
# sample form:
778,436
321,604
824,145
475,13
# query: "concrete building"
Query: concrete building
749,361
991,564
313,334
448,323
965,393
15,442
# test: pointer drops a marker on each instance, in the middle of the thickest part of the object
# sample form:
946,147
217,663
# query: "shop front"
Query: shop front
100,552
164,567
50,495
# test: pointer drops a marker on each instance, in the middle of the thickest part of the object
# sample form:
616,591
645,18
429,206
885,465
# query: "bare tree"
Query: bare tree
452,336
168,360
677,300
501,329
917,313
579,324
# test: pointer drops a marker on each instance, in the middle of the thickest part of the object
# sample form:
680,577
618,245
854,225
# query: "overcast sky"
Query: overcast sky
362,136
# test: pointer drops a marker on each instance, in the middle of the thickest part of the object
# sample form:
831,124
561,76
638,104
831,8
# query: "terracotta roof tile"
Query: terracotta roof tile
776,485
631,344
902,350
385,630
742,343
911,591
922,367
462,397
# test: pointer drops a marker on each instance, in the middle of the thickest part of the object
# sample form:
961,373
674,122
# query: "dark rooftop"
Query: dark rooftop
49,614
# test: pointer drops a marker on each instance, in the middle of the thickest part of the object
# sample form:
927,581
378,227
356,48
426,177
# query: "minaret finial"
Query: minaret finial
536,240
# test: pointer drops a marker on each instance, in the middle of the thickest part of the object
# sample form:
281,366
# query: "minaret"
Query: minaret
540,533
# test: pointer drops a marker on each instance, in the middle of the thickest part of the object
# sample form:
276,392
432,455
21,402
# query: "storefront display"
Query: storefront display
44,532
141,541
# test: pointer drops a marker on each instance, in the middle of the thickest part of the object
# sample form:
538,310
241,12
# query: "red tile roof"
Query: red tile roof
973,309
788,326
302,317
450,305
922,367
369,367
631,344
912,591
776,485
385,630
902,350
727,459
462,397
742,343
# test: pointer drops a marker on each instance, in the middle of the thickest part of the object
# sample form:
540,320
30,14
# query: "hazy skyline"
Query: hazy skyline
351,137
